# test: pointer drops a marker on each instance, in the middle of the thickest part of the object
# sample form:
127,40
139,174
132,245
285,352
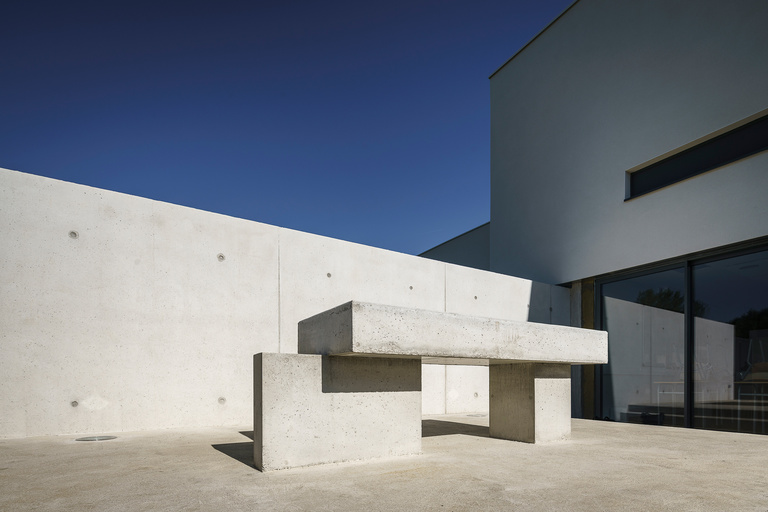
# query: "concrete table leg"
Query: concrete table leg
530,402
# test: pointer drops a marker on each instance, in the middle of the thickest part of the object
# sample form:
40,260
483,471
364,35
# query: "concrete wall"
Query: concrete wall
121,313
610,86
470,249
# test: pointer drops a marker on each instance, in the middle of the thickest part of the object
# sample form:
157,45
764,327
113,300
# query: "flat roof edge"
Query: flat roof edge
526,45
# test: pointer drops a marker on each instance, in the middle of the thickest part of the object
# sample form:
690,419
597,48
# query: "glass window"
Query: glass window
731,343
643,381
729,147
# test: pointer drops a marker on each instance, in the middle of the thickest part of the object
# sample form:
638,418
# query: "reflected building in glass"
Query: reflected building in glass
644,378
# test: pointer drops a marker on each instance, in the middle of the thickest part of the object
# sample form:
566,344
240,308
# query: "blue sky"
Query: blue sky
364,121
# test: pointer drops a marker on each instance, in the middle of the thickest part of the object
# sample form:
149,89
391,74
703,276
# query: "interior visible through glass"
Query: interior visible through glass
643,381
731,344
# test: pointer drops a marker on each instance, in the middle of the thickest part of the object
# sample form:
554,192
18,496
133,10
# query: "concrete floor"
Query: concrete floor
606,466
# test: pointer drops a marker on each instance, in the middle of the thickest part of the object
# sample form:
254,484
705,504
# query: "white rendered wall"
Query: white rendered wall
470,249
612,85
139,321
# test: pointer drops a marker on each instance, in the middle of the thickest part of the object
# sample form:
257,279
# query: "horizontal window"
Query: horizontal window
734,145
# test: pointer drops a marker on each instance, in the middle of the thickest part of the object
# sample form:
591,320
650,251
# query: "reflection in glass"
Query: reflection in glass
643,381
731,344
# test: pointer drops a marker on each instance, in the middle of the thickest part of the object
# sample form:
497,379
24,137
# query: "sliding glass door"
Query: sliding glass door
730,367
688,344
643,380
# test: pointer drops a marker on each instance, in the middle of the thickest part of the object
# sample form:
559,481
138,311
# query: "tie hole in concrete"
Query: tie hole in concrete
96,438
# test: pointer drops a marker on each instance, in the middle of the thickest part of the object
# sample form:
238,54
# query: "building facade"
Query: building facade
628,163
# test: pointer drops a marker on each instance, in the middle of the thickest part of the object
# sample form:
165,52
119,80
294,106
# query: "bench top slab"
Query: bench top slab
365,329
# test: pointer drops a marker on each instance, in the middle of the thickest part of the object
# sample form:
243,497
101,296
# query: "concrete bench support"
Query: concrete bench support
311,409
530,402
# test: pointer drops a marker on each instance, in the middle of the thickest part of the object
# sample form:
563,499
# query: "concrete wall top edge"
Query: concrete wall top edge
533,39
9,173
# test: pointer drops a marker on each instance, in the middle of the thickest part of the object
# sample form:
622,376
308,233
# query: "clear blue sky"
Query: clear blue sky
366,121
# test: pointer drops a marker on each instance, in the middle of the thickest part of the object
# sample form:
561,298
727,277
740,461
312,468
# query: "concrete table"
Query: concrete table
354,391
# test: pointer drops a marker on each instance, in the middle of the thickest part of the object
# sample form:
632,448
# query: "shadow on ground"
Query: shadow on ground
243,452
432,428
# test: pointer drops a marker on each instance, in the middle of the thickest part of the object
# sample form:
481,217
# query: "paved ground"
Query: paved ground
606,466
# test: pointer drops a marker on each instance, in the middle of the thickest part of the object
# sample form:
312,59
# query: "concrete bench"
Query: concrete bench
354,391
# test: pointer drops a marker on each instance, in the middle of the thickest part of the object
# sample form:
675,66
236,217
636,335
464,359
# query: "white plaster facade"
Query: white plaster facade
611,86
470,249
607,89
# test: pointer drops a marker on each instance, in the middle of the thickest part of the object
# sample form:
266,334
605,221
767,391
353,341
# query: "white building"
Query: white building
628,161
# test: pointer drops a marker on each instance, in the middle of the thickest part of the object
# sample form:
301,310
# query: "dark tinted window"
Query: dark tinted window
723,149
